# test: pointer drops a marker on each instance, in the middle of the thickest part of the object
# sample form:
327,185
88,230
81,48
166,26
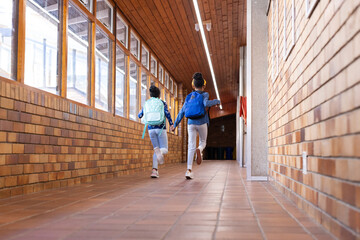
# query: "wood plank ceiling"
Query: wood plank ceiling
168,28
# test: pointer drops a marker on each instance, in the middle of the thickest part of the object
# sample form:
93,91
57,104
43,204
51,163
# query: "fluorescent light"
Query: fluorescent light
200,23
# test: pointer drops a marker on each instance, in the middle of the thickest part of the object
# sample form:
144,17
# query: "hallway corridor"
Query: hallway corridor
218,204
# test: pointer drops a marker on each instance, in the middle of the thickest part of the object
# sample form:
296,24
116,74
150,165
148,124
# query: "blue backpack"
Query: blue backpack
194,105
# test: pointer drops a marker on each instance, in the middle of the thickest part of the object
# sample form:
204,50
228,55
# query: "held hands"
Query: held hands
172,128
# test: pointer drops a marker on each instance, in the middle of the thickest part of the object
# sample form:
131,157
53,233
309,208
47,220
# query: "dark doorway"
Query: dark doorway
221,139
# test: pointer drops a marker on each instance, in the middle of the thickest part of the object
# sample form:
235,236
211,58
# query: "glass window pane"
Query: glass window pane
7,39
144,92
144,84
134,45
104,12
121,31
145,57
87,4
133,90
165,96
175,90
161,92
102,67
41,45
171,85
166,80
161,74
78,51
153,66
120,82
153,82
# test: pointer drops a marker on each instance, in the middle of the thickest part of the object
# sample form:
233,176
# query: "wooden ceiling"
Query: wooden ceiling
168,28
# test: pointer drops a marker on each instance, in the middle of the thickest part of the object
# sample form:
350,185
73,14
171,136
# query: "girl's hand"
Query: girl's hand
172,128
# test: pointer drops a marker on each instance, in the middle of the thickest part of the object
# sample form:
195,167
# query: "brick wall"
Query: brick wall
314,106
48,142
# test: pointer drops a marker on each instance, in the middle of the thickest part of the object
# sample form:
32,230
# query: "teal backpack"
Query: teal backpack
154,114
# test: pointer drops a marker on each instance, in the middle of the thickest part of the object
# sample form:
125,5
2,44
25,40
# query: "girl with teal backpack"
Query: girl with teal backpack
154,112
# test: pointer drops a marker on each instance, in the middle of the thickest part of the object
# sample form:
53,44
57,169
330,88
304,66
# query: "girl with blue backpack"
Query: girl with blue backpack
198,120
155,110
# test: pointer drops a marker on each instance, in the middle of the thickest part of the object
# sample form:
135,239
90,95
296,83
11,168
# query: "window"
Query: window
289,31
144,86
164,96
145,57
121,30
161,92
144,92
7,39
175,90
166,80
133,90
41,45
161,74
78,54
171,85
120,82
102,68
87,4
153,66
153,82
310,6
104,12
134,45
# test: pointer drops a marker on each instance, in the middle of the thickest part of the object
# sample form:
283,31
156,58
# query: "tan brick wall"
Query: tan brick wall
314,106
48,142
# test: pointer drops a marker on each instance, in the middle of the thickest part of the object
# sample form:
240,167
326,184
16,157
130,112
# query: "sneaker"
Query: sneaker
198,156
155,173
159,155
189,175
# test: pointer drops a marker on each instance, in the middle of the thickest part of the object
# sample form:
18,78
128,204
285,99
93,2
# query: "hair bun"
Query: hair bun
198,76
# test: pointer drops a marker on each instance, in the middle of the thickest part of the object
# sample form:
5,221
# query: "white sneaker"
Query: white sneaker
189,175
154,173
159,155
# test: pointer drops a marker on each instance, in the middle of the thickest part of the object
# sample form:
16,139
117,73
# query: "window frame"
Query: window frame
152,57
144,47
126,44
111,17
137,57
166,84
89,48
58,37
162,74
125,97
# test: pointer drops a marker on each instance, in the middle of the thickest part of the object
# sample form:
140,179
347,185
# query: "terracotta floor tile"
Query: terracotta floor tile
214,205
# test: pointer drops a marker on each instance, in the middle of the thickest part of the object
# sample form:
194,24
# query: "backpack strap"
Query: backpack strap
143,135
162,128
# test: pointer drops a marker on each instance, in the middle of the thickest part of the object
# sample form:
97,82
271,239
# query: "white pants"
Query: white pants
192,132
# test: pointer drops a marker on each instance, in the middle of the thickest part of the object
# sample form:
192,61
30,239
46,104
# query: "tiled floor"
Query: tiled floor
217,204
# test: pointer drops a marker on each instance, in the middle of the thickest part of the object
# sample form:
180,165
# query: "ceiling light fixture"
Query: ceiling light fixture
198,16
